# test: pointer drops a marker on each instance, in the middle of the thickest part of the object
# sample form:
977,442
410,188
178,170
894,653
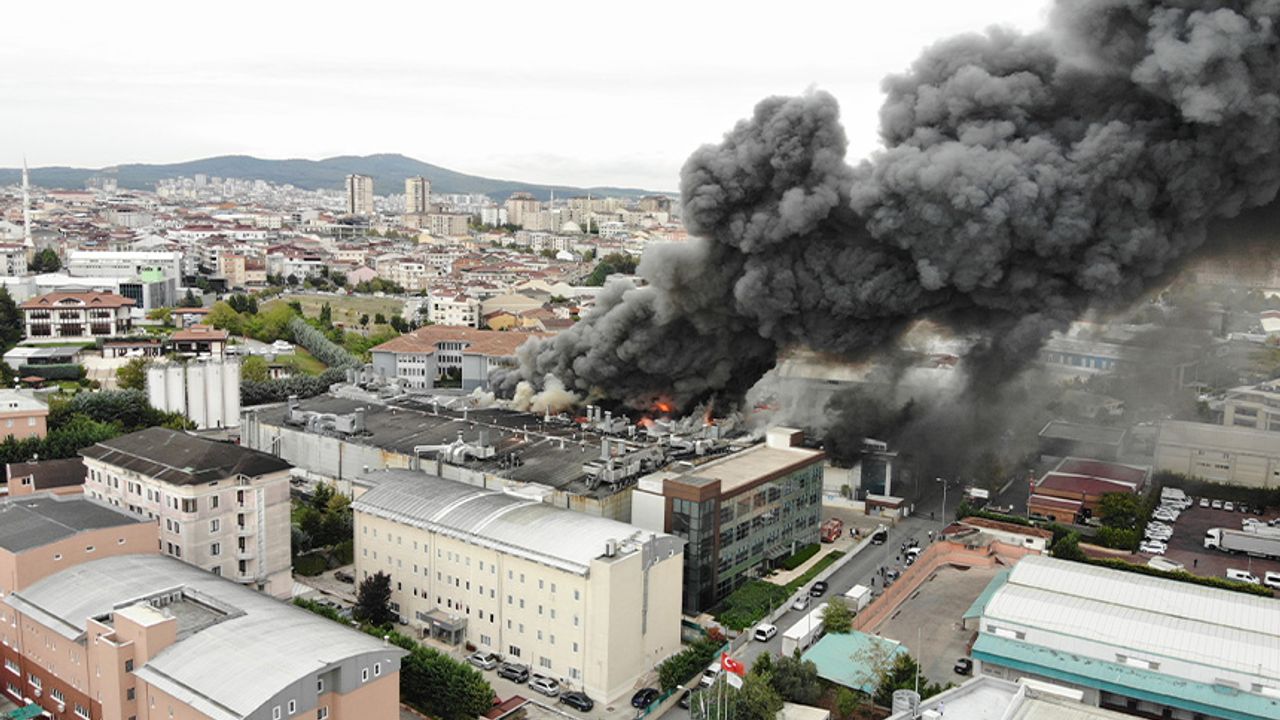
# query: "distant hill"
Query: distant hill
388,171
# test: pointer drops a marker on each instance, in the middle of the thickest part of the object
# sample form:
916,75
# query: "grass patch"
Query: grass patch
813,572
801,557
748,605
303,361
345,309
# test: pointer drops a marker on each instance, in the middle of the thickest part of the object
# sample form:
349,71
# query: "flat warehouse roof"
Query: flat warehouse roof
752,464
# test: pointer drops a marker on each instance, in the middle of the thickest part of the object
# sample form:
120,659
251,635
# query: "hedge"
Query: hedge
66,371
687,663
311,563
344,553
320,347
746,606
801,557
304,386
1181,575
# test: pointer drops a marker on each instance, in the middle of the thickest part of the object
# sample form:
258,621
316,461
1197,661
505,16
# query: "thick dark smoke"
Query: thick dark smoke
1024,180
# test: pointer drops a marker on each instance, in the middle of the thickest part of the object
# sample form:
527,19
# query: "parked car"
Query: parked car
1204,502
1217,504
515,672
1160,535
545,685
765,632
644,697
879,537
912,554
1243,576
963,666
1165,515
1153,547
1242,508
577,701
1271,580
801,603
484,660
819,589
344,576
686,699
1229,506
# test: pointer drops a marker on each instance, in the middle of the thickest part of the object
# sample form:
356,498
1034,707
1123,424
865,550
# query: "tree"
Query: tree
163,314
133,375
379,319
902,672
190,300
10,321
796,680
847,703
326,316
398,324
46,261
373,601
1068,548
755,700
225,317
364,320
254,369
338,279
443,687
292,279
612,263
763,665
837,618
1118,510
243,304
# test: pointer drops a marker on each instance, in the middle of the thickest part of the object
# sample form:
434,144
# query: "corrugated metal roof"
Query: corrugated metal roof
285,643
1144,614
534,530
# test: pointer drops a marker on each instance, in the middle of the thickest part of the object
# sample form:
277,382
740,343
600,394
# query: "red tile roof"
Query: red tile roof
199,333
483,342
86,299
1081,484
1105,470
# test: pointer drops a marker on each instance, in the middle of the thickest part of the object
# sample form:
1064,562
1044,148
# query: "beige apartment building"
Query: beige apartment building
592,602
359,195
221,507
146,637
417,195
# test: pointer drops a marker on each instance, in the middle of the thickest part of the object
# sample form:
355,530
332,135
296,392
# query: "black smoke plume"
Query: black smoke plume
1023,180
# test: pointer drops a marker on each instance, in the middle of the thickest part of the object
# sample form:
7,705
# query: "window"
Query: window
513,651
89,548
377,669
12,667
128,666
35,681
215,549
275,713
130,694
364,675
213,502
319,686
215,525
544,662
293,706
56,694
322,713
81,711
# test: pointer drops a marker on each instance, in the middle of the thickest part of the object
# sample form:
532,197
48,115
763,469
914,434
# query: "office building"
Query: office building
123,264
583,599
737,514
417,195
221,507
145,636
1143,645
1218,453
77,315
359,195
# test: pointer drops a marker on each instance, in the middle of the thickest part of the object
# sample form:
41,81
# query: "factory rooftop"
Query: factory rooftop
181,459
219,624
532,529
754,465
37,520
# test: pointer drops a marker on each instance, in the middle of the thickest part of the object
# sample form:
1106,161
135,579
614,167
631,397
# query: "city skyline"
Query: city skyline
544,97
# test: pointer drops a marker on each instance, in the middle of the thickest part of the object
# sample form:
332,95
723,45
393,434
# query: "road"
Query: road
857,571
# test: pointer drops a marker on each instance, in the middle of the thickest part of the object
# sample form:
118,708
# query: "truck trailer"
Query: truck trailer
858,597
804,632
1257,541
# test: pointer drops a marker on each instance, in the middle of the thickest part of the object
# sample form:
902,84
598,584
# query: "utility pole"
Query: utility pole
944,497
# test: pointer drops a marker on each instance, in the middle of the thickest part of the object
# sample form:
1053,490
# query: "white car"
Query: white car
1247,522
1161,535
1272,580
801,603
1229,506
1204,502
1153,547
765,632
1217,504
1165,515
1243,576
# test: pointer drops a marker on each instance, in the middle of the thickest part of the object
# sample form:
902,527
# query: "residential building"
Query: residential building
221,507
417,195
737,514
13,259
145,636
200,340
359,195
206,392
447,224
77,315
45,533
583,599
60,477
1256,406
520,207
233,267
458,310
1218,453
22,415
418,359
1143,645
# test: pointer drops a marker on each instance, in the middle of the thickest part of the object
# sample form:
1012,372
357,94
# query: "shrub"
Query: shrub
800,557
344,553
320,347
745,606
1118,538
679,668
310,564
65,371
1183,576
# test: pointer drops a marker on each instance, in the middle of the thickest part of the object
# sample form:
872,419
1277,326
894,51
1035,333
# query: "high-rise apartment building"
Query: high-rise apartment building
417,195
359,195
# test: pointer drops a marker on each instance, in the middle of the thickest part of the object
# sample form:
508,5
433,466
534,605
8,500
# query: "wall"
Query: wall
19,571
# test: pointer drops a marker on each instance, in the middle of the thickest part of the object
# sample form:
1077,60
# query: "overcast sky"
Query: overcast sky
582,93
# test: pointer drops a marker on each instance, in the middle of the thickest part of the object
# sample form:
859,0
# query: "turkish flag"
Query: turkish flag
728,664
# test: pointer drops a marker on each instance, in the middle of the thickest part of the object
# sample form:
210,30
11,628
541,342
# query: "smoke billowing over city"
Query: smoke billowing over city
1024,180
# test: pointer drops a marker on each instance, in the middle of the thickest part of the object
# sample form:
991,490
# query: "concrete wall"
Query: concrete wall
19,571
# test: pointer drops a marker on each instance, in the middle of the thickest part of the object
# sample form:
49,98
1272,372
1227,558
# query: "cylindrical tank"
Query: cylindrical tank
906,701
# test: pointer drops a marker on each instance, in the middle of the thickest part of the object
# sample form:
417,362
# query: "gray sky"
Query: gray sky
582,93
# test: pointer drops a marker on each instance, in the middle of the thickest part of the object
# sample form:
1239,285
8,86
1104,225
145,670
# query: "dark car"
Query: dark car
644,697
819,589
1242,508
879,538
963,666
685,699
577,700
515,672
344,576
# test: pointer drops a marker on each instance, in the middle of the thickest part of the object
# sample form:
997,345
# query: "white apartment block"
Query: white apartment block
123,264
359,195
13,259
458,310
221,507
592,602
1256,406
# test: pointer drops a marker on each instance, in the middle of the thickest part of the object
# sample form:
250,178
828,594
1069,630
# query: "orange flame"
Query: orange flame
663,406
646,422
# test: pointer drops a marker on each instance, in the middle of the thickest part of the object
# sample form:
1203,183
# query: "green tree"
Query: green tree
163,314
847,703
796,680
837,618
326,316
243,304
254,369
763,665
132,375
224,317
373,601
190,300
1068,548
10,321
292,280
612,264
755,700
364,320
379,319
398,324
46,261
1119,510
442,687
902,672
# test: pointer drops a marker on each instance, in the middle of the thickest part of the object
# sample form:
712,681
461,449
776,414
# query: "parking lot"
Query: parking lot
929,621
1187,544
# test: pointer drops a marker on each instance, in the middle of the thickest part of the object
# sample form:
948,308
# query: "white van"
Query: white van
709,675
1243,576
765,632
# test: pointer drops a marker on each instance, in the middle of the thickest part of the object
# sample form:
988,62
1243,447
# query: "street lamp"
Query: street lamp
944,497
